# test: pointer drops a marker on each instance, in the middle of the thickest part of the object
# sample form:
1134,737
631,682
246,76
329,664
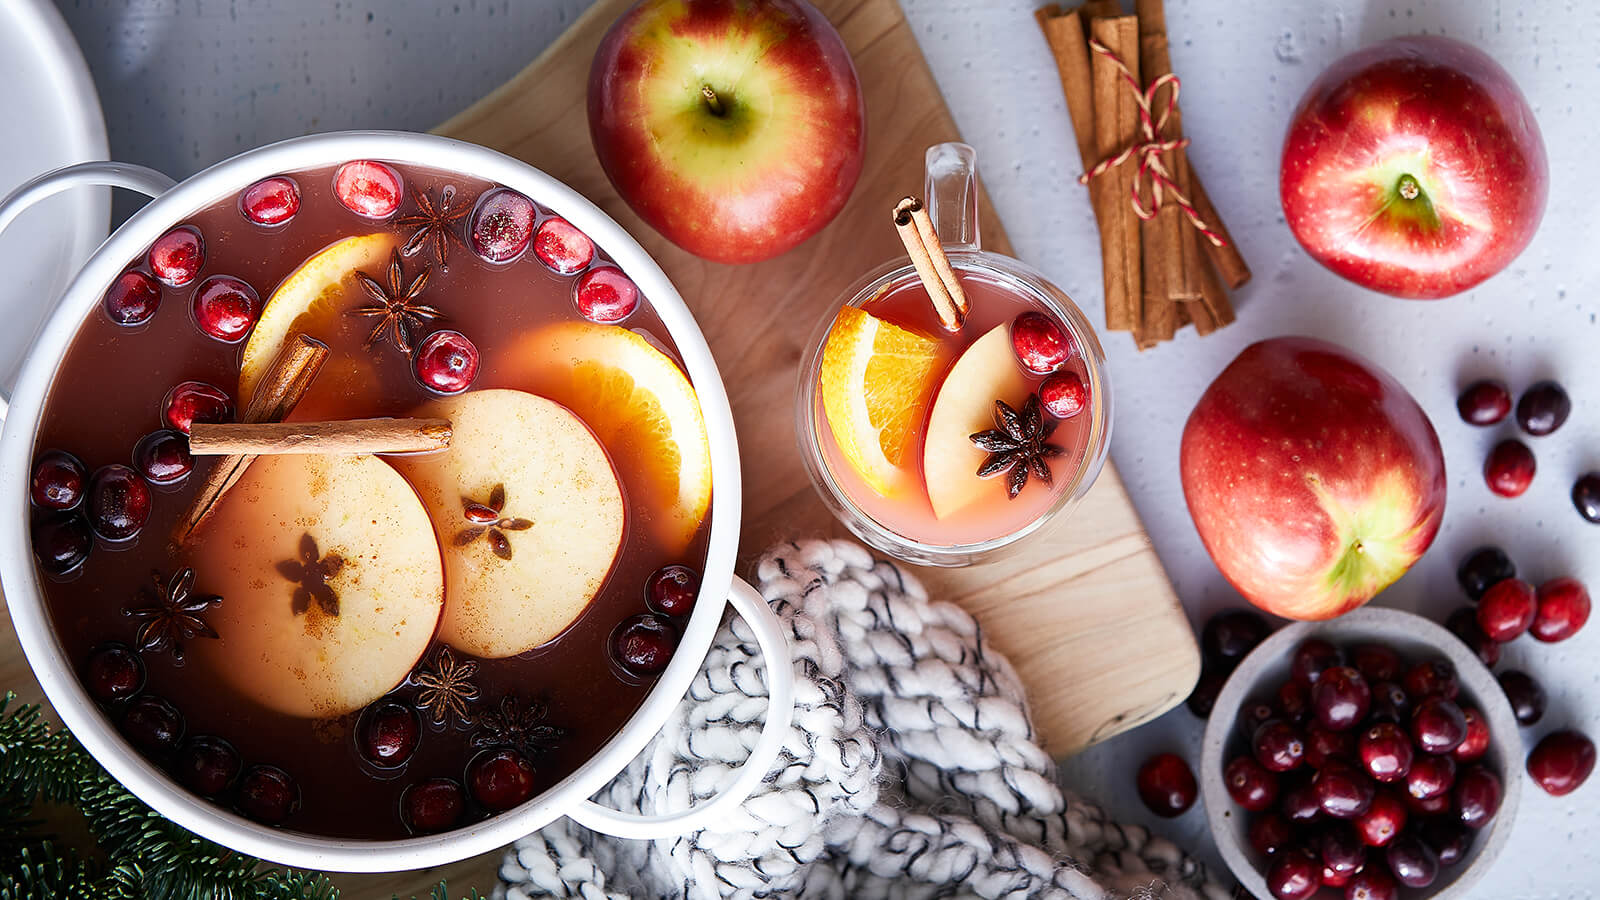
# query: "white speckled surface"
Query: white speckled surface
187,83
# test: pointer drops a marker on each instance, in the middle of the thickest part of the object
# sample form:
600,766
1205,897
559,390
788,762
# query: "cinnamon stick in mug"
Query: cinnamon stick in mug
349,437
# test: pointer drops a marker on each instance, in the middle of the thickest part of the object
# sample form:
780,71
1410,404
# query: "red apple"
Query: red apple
1414,167
736,129
1313,477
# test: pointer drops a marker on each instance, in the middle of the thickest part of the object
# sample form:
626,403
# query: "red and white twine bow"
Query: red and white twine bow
1149,147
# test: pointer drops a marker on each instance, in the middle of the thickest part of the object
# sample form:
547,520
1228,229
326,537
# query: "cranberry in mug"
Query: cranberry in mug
362,644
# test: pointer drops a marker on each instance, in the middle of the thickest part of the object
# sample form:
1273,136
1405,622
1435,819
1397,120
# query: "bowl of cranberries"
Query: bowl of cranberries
1370,757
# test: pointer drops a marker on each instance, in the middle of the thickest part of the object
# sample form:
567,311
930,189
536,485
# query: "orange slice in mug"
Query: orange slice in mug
875,382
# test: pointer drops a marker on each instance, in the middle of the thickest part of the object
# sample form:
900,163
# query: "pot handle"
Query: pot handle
111,174
747,602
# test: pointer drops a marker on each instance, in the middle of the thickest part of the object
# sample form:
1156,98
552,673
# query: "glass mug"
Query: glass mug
891,407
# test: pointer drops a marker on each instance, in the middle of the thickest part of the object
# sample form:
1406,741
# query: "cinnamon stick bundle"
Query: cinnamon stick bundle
1161,274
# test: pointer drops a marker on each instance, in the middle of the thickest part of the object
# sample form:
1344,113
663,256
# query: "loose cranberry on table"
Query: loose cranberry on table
1586,496
1270,834
1279,746
1543,408
1340,698
387,734
61,542
501,226
1438,725
1510,468
1431,777
267,794
1064,395
1413,862
1231,634
561,246
1041,345
672,590
1323,744
1476,743
1384,819
1372,883
1484,402
176,257
1484,568
119,502
195,401
1563,608
367,188
1376,662
1449,840
1385,751
1295,874
1463,623
114,673
208,766
272,201
1166,785
500,779
1526,695
1508,609
643,644
605,295
132,299
1294,701
1250,784
1432,677
1203,698
432,805
1561,762
226,308
446,362
1311,658
1390,703
162,457
58,481
152,723
1477,796
1343,791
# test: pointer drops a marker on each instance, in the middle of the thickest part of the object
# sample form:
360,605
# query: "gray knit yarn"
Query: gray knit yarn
910,771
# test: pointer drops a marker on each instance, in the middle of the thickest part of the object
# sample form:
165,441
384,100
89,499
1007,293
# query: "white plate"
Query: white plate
52,118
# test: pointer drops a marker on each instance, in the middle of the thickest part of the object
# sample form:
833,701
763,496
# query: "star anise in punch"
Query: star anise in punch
519,725
173,614
396,307
431,225
1019,442
445,688
488,520
310,575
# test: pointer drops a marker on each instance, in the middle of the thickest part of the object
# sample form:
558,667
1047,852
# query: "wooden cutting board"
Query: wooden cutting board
1085,612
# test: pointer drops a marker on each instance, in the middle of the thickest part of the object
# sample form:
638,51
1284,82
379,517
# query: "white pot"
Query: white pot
174,204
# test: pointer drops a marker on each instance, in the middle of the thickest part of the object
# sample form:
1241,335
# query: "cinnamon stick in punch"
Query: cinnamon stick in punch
348,437
915,227
277,393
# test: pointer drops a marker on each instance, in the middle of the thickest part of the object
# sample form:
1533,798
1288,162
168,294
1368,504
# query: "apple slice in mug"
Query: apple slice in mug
985,372
529,513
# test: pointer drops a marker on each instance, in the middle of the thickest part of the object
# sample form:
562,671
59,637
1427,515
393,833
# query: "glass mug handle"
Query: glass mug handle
951,189
111,174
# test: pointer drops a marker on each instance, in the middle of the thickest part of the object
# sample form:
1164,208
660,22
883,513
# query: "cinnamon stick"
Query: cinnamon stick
1179,263
1229,261
1116,125
279,390
350,437
915,227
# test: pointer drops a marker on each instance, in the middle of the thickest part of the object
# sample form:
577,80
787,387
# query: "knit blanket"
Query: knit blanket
911,769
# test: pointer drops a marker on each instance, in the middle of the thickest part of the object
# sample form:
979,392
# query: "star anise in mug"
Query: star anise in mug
396,307
487,520
446,688
172,614
432,224
1019,442
519,725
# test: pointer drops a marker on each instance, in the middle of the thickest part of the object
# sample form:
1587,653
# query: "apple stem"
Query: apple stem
714,103
1408,187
